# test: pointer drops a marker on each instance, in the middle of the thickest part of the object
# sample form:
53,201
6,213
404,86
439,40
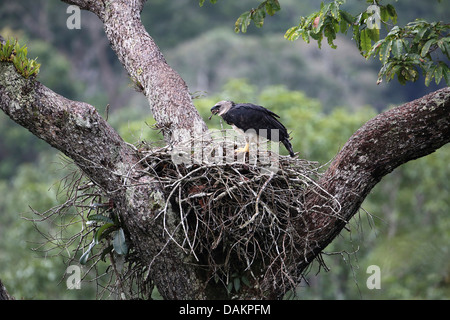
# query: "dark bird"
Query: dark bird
248,119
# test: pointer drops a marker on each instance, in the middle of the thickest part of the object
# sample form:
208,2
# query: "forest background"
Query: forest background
322,96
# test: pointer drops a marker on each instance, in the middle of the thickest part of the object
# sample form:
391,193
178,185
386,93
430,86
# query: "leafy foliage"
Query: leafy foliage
404,51
401,52
257,15
202,2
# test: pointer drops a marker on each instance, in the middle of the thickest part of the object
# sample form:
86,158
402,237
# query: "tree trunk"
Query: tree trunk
76,129
4,295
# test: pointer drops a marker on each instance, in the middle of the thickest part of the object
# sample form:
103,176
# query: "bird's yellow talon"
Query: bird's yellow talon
244,149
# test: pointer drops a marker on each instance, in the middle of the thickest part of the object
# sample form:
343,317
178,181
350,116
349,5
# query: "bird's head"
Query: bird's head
221,108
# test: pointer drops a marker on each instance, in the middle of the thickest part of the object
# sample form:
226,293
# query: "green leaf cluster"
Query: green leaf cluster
236,282
11,51
329,20
256,15
108,226
202,2
404,51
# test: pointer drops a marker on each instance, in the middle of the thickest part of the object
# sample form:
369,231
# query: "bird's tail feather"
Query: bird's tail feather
288,146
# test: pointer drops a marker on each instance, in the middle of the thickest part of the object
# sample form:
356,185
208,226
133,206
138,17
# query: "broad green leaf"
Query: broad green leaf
85,256
394,32
330,32
334,9
292,34
242,22
392,13
398,47
237,284
229,287
426,47
444,45
385,51
384,14
119,242
446,73
429,73
272,6
420,33
245,281
105,251
374,34
347,17
98,234
438,73
258,17
343,26
318,37
100,218
365,43
305,36
375,50
410,73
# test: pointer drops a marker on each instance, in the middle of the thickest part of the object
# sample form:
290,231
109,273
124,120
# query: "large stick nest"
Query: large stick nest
239,216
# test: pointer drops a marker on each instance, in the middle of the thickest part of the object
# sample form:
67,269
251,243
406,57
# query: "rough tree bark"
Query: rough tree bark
394,137
4,295
77,130
404,133
167,93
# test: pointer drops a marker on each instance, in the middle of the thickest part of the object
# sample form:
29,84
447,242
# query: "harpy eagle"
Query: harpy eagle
244,117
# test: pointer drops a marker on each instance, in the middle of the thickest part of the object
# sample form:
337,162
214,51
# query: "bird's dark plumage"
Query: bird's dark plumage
248,116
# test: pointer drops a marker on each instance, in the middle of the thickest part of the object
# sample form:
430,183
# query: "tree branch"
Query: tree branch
404,133
77,130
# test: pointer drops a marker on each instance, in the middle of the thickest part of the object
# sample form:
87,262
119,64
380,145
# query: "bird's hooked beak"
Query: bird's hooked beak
214,110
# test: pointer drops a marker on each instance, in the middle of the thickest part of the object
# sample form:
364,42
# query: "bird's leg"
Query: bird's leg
244,149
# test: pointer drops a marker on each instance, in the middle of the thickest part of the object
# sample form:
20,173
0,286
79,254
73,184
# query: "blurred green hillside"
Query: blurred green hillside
322,96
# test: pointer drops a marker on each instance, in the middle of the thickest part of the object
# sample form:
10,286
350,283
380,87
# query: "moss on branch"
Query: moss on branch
11,51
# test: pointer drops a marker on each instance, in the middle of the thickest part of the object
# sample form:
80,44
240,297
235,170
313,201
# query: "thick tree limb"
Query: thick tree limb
77,130
394,137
